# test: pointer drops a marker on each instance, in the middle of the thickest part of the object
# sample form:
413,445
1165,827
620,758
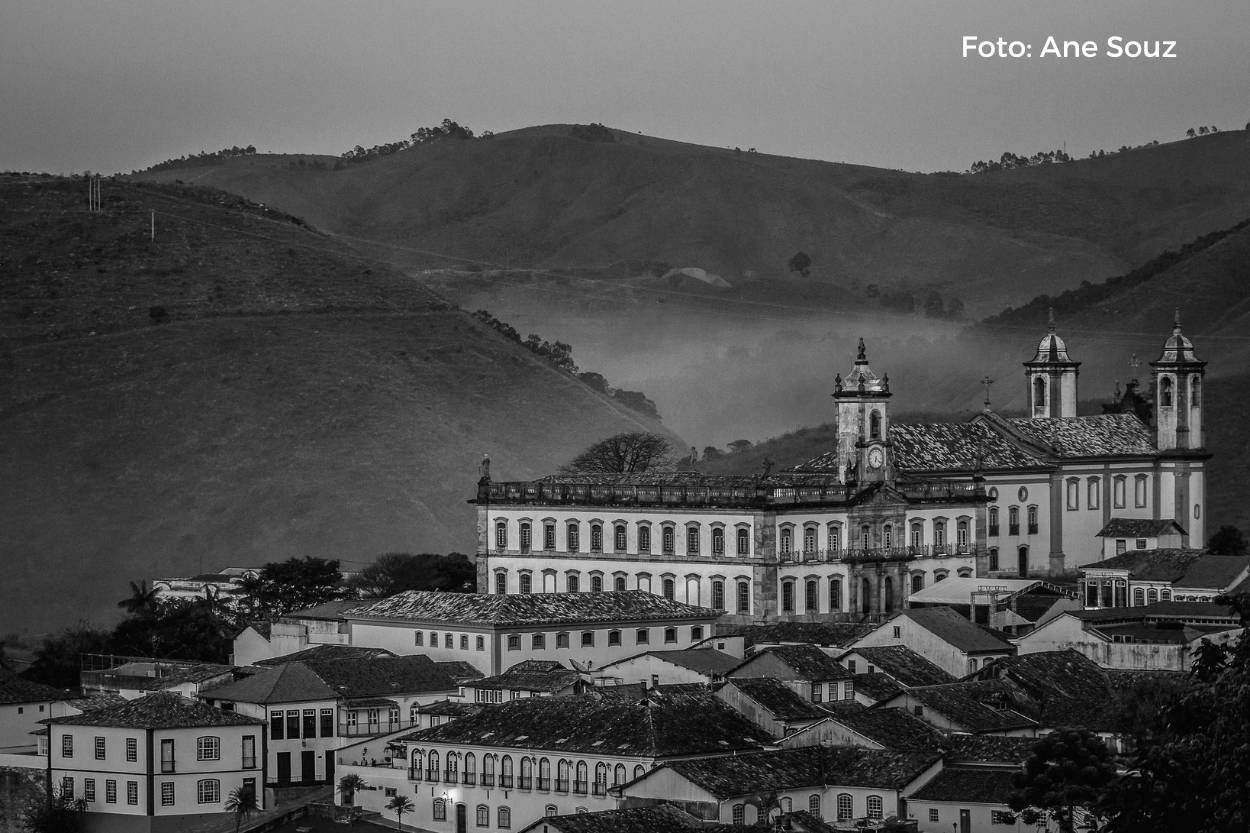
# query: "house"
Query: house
443,711
1157,637
770,704
527,759
692,665
940,635
134,677
320,652
528,678
322,624
871,689
660,818
854,725
162,762
972,799
1142,577
494,632
23,704
898,662
1008,605
314,707
980,707
835,783
1123,534
812,673
826,635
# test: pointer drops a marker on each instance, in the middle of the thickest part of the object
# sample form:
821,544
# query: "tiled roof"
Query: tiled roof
329,611
957,630
15,689
876,685
700,660
811,766
1139,528
416,674
291,682
161,710
1158,611
328,652
1067,690
955,446
892,728
809,662
531,675
1149,565
1100,435
976,706
460,670
96,701
660,818
663,725
801,633
971,785
528,608
904,665
778,699
1214,571
450,708
987,749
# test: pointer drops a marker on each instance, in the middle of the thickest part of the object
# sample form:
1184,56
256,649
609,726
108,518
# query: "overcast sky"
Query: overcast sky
122,84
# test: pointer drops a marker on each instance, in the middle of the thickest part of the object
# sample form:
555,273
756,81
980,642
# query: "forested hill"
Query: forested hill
239,390
554,196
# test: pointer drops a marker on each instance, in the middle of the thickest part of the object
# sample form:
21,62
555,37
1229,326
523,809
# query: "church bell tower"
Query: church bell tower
1178,393
863,423
1051,377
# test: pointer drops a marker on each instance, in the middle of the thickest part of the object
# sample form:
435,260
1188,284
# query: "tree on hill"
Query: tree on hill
800,263
294,584
1228,540
1067,774
142,599
628,453
58,660
395,572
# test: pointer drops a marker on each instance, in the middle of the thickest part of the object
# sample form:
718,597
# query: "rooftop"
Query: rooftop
778,699
960,590
976,706
808,662
798,633
971,785
892,728
1140,528
15,690
518,609
904,665
660,818
957,630
329,611
318,652
663,725
330,679
1067,689
1098,435
700,660
987,749
876,685
812,766
532,675
958,446
160,710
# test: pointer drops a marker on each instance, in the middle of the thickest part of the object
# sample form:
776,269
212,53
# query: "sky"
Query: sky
120,85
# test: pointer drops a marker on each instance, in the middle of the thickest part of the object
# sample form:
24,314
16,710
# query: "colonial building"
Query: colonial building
948,640
1142,577
889,510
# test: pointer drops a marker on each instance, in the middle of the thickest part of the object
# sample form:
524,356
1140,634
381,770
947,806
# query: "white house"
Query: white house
814,675
942,636
693,665
296,631
494,632
522,760
769,704
1121,535
135,677
528,678
23,704
1142,577
972,799
159,763
851,725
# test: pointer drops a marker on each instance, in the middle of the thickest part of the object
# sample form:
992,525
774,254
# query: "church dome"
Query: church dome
1051,348
1177,348
862,379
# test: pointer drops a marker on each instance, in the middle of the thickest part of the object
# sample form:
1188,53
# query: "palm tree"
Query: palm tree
400,804
348,785
142,599
242,802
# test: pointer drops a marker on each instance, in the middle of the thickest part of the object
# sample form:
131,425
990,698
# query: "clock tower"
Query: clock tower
863,423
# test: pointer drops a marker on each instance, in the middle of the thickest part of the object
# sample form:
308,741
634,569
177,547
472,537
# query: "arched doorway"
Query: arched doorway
1022,562
865,596
888,600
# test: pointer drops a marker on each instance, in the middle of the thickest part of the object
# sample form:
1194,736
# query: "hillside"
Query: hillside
289,397
541,198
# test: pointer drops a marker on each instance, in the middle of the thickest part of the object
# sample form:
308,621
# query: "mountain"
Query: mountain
240,389
637,206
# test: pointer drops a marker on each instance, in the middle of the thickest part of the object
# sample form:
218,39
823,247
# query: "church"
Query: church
889,510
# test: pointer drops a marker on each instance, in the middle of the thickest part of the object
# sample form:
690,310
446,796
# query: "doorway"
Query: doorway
461,821
308,766
1022,562
284,768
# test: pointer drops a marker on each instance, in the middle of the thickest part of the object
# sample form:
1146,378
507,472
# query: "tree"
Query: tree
58,661
142,599
242,802
1228,540
800,262
739,446
1068,771
395,572
400,804
294,584
349,785
58,814
628,453
1190,133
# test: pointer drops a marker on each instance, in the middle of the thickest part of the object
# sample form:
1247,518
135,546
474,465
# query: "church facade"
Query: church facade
886,512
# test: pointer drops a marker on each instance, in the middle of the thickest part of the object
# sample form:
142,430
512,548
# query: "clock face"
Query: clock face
876,457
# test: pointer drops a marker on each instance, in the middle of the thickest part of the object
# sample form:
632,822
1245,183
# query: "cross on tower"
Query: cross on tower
1134,363
986,382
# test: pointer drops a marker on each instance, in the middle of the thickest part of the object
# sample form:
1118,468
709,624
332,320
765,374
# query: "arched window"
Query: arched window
440,810
692,540
601,778
835,538
526,583
961,535
1117,491
596,537
670,588
786,542
581,778
644,582
875,807
618,584
483,815
544,774
501,535
1013,520
1195,392
488,770
618,537
501,583
846,807
692,590
993,520
811,596
550,810
718,594
470,768
993,559
887,536
865,537
670,636
939,575
526,536
572,583
596,584
917,582
527,773
917,535
835,594
874,425
208,791
889,594
813,804
1139,490
740,815
1165,595
618,775
549,536
787,596
1093,493
1039,391
1152,595
744,542
573,531
1074,493
644,538
538,642
505,818
639,771
718,540
1165,391
614,638
939,533
744,596
453,767
787,805
1139,596
431,766
667,540
809,541
972,665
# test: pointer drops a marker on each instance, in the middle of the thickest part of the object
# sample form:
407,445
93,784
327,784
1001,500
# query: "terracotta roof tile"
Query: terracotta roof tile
976,706
660,818
528,608
778,699
892,728
161,710
1100,435
957,630
15,689
904,665
808,662
1139,528
954,446
972,785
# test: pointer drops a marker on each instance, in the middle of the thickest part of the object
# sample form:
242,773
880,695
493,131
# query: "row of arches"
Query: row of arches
690,538
832,539
524,773
844,808
719,593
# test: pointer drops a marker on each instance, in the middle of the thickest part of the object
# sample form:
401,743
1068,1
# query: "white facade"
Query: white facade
956,661
1068,631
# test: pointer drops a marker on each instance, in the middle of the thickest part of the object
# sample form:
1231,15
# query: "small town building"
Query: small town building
1142,577
837,784
292,632
814,675
981,707
692,665
134,677
898,662
23,704
939,634
528,678
1122,535
660,818
494,632
1008,605
972,799
162,762
523,760
770,704
854,725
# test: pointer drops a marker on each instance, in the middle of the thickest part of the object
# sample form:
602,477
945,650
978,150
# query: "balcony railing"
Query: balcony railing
876,553
526,782
580,787
505,782
544,783
470,779
562,785
488,779
601,788
366,729
168,767
451,776
416,773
